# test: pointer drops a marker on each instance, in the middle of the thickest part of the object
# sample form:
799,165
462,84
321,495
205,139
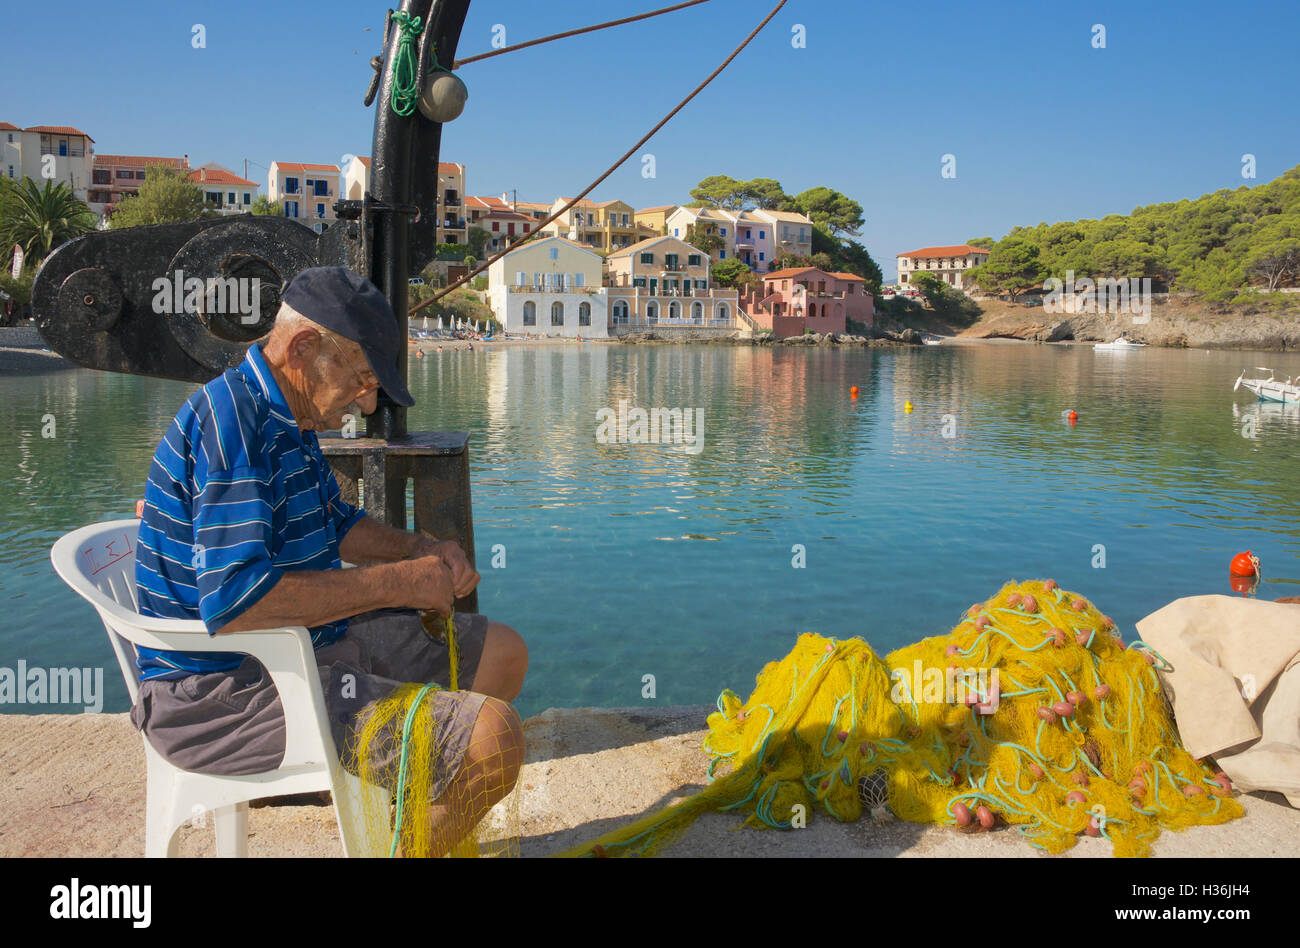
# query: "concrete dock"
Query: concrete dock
73,785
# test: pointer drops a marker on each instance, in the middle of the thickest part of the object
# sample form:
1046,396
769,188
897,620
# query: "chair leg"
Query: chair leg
354,801
160,822
232,831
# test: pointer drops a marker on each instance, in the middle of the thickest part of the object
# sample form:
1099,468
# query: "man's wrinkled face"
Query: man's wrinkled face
341,383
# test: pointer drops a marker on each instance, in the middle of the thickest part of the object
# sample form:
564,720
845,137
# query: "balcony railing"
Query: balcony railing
686,292
528,288
664,322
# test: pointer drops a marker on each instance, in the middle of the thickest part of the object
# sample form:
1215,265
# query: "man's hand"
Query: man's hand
428,584
463,576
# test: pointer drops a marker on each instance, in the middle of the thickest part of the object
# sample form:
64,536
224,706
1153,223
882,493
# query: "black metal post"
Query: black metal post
404,172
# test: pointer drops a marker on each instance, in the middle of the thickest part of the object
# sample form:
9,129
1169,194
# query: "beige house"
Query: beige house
550,287
791,231
706,221
664,282
23,153
452,226
452,223
306,192
947,263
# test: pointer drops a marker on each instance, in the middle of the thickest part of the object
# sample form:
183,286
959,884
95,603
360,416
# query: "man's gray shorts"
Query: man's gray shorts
231,723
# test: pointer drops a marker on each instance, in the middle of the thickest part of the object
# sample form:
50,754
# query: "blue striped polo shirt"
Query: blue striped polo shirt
237,495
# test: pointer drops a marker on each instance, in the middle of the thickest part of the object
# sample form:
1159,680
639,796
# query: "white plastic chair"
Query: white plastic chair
98,562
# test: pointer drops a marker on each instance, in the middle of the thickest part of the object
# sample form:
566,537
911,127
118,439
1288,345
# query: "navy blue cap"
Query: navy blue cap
345,302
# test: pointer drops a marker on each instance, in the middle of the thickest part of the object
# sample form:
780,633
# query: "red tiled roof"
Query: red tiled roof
141,160
657,207
787,273
57,130
505,214
849,276
207,175
444,167
957,250
9,127
296,166
488,202
364,159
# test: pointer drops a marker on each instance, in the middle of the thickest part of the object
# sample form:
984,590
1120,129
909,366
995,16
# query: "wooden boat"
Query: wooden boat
1271,389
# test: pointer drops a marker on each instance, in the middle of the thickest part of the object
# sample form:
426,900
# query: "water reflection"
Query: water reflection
624,559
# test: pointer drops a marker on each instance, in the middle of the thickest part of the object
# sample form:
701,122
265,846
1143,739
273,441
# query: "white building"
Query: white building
550,287
947,263
223,190
57,153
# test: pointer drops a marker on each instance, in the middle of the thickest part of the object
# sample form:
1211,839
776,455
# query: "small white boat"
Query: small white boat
1119,345
932,340
1270,389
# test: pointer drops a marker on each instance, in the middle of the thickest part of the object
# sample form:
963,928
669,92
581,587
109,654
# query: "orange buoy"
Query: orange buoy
1073,416
1244,564
853,392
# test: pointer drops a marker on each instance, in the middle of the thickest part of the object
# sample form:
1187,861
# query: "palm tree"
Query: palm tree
39,219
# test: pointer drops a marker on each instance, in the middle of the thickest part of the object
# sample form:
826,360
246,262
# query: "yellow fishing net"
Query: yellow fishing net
1031,712
397,747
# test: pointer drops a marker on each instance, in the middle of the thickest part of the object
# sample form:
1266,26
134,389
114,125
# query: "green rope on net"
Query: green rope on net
405,92
401,770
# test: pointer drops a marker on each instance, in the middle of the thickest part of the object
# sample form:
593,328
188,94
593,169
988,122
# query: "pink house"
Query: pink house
808,298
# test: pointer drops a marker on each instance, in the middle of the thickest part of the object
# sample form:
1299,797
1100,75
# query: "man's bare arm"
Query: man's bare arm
314,597
369,541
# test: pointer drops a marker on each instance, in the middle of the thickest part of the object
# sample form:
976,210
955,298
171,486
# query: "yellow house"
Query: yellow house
656,218
602,225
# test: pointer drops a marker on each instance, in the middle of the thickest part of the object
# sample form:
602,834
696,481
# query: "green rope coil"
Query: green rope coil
405,91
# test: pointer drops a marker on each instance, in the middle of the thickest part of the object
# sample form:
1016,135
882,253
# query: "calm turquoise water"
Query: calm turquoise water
632,560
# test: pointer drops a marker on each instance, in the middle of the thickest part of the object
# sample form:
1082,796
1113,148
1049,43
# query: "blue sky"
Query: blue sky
1042,125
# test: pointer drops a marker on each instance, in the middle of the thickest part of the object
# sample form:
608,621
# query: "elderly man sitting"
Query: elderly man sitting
243,527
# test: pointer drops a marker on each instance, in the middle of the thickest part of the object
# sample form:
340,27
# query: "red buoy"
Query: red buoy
1244,564
853,392
1073,416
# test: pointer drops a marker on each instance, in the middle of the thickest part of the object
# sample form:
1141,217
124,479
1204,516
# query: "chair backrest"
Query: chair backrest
98,562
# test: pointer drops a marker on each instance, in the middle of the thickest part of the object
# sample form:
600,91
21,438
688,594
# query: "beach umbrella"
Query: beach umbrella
440,324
